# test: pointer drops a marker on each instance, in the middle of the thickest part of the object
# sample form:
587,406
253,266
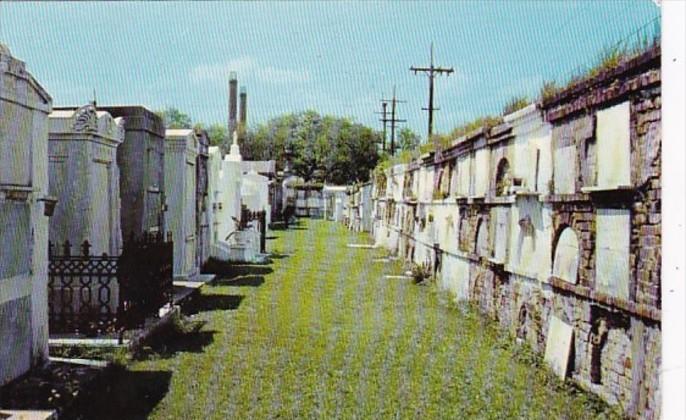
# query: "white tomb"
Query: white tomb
84,176
229,188
180,153
24,109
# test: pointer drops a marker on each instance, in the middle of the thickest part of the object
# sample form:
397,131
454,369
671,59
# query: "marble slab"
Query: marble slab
558,346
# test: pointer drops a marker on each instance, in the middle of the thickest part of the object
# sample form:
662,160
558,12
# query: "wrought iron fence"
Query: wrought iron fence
93,295
82,290
146,277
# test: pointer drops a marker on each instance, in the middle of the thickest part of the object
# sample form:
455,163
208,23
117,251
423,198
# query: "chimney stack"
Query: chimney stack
243,107
233,102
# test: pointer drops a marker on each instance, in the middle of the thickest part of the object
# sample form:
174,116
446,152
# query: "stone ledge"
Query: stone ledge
644,311
564,198
501,199
28,414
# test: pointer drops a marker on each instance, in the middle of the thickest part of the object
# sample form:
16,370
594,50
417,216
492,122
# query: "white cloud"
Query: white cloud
248,69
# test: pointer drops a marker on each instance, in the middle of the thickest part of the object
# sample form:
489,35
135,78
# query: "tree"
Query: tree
173,118
218,134
325,148
408,139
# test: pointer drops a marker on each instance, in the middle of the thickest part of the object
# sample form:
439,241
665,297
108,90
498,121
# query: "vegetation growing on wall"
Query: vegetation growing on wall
515,104
609,58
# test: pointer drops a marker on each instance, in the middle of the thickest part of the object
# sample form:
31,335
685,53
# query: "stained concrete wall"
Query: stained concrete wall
24,109
180,153
574,237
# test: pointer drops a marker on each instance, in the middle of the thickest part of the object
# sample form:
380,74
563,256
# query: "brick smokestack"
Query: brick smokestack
233,103
243,107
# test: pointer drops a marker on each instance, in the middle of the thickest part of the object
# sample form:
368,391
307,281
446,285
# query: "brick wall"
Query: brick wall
616,341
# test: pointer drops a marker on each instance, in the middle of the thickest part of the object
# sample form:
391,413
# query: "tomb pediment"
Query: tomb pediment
75,122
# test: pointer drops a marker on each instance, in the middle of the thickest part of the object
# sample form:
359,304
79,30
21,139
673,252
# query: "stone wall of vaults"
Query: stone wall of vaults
584,170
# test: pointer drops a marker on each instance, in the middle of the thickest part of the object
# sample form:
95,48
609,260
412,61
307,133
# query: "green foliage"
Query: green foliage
610,57
427,148
218,134
548,90
408,140
485,122
173,118
325,149
515,104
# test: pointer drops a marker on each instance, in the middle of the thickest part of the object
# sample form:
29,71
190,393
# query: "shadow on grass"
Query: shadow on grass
183,335
227,271
121,394
276,226
276,256
54,386
249,281
207,303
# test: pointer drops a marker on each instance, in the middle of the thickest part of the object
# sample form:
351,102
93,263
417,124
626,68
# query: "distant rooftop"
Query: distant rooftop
259,166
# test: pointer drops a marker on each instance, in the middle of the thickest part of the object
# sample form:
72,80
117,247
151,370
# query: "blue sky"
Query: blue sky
337,58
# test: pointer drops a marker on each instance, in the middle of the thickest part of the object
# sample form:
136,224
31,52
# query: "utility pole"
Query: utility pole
384,119
393,120
431,71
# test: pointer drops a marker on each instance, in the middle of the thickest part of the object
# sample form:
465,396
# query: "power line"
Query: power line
393,101
384,113
431,71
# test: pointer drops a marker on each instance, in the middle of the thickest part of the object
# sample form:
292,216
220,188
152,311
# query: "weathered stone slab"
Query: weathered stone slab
612,252
566,263
614,151
564,164
558,346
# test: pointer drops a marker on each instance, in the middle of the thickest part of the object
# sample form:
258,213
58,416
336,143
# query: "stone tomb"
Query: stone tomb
141,166
84,177
24,109
180,153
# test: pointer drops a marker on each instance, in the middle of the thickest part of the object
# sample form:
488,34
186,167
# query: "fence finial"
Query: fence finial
86,248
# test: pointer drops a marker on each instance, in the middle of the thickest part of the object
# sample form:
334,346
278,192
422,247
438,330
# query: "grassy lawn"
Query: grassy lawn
321,334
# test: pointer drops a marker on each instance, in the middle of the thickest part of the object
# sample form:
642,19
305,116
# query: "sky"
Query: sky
337,58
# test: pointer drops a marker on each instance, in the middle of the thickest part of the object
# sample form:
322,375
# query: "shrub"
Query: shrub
420,272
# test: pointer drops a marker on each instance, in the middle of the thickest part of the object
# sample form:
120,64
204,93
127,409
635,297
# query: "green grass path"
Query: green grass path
321,334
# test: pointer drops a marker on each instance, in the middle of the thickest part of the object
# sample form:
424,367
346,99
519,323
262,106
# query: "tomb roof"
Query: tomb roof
178,132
